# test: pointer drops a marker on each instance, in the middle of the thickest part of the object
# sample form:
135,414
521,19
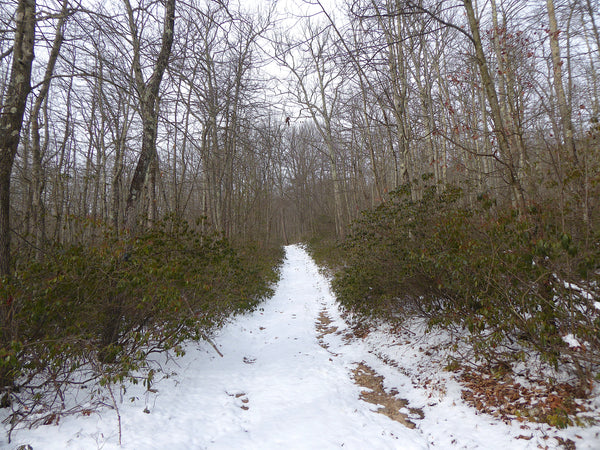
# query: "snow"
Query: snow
571,340
585,294
283,383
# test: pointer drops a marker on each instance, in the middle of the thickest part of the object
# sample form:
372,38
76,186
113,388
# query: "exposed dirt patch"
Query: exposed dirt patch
324,328
390,404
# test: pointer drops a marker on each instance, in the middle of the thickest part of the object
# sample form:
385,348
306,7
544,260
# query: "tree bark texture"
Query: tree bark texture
500,129
561,98
148,96
11,118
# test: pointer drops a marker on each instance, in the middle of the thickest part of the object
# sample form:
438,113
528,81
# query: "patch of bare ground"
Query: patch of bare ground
388,402
324,327
363,375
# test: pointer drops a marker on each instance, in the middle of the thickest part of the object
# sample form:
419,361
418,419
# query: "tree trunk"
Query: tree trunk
563,106
36,148
397,71
117,171
148,96
500,129
11,120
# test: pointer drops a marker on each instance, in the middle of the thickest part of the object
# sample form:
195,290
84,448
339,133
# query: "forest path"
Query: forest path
292,376
288,388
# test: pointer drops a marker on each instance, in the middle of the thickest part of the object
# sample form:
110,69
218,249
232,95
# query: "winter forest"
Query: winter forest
441,158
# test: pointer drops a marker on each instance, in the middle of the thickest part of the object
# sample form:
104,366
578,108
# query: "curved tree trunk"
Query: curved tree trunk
148,93
38,212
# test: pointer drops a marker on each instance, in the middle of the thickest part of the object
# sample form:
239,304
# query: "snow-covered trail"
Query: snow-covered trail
281,384
297,394
275,387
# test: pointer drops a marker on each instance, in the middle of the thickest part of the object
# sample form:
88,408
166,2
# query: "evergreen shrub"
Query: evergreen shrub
514,282
96,312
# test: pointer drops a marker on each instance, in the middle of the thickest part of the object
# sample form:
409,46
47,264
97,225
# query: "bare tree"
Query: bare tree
11,117
317,88
38,216
557,63
147,91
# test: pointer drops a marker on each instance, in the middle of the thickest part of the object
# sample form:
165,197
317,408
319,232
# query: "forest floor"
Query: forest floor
295,375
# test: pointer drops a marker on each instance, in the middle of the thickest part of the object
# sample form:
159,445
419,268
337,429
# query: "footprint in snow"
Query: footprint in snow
241,400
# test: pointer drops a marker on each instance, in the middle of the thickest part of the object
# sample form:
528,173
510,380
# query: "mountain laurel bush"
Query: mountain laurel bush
96,312
514,282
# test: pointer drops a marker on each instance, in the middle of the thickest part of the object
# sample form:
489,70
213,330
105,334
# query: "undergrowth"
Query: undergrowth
95,313
513,282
